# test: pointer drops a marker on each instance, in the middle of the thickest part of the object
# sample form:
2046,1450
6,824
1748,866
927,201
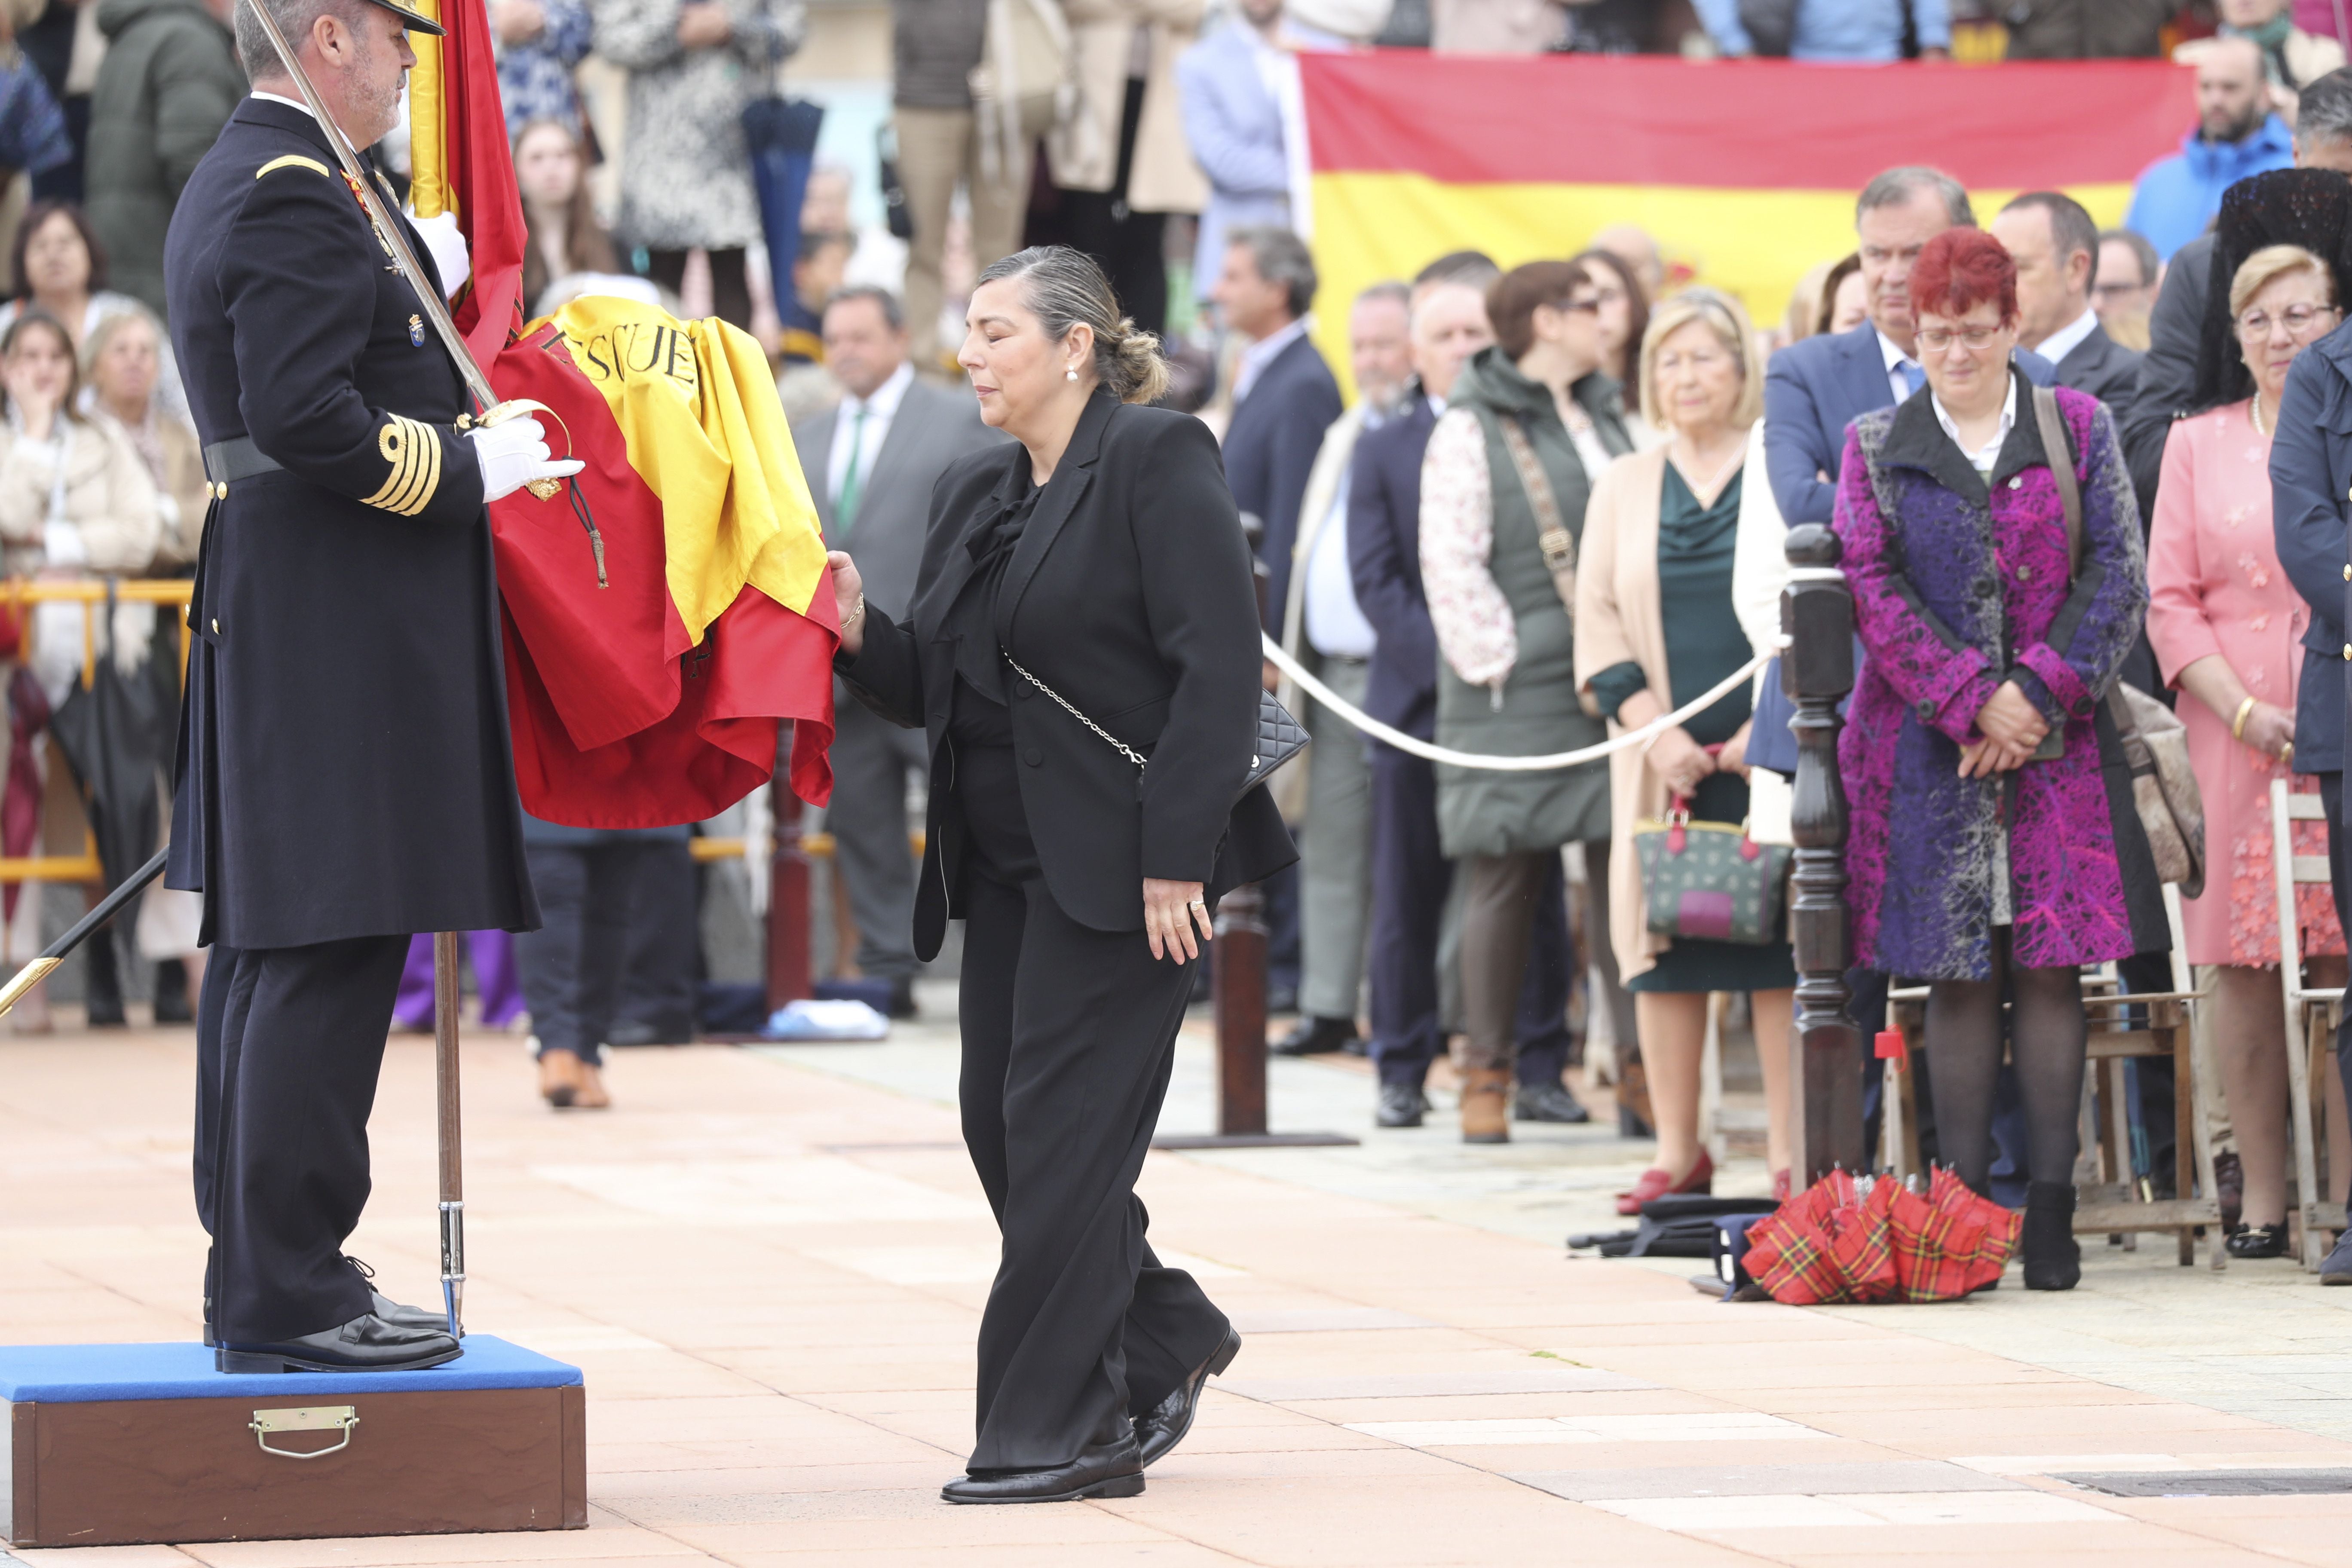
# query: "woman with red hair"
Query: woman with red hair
1994,847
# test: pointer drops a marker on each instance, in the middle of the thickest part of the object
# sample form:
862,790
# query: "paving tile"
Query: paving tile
1318,1320
1734,1426
1754,1481
1412,1385
608,1539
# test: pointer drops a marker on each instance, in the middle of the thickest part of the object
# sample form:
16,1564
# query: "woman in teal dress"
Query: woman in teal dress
1655,630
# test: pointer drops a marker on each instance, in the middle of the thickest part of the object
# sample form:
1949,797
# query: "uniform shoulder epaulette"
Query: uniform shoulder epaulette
293,161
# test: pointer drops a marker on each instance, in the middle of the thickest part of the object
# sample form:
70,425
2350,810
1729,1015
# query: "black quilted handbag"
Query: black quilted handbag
1280,737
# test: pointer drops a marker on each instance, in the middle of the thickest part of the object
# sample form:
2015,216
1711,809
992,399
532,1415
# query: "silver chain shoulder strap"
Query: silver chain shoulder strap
1129,752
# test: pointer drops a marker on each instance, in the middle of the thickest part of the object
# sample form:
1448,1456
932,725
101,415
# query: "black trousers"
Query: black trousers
289,1043
1411,878
1068,1036
618,915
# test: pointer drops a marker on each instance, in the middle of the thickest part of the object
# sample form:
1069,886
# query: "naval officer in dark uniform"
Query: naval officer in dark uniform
344,772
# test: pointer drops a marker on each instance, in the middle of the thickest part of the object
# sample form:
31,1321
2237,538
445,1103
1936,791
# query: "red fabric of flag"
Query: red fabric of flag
481,163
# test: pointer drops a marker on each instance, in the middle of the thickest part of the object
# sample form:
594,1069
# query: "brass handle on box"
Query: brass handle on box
313,1418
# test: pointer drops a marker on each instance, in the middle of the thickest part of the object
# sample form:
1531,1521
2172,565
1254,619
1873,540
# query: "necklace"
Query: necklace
2255,411
1722,476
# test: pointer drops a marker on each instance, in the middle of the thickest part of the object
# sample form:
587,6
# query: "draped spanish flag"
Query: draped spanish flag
1744,170
666,610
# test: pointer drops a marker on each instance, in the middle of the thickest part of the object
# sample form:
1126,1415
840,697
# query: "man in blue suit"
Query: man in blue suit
2311,469
1284,394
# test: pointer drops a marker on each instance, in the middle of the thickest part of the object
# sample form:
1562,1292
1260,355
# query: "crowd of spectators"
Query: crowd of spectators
1552,513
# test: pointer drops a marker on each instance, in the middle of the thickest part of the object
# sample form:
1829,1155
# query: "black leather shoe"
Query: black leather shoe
1170,1420
392,1311
2258,1241
1314,1037
1548,1102
1111,1470
1402,1105
902,999
366,1343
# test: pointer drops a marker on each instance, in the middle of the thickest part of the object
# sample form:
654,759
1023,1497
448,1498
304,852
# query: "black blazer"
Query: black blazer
2104,368
1130,595
1384,561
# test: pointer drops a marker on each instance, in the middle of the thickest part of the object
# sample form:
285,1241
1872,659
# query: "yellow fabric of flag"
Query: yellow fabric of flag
697,407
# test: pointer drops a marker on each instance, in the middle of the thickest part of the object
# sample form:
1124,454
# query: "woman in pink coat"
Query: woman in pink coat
2226,626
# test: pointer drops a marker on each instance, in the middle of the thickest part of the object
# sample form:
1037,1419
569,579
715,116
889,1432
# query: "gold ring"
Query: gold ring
2286,751
1198,904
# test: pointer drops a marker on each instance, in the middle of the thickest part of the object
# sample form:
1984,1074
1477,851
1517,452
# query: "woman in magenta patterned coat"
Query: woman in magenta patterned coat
1981,860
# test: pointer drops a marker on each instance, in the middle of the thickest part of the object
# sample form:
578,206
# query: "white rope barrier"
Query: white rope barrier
1419,747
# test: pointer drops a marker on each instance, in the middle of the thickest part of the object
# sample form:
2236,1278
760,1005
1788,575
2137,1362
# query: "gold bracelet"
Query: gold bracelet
2238,724
858,614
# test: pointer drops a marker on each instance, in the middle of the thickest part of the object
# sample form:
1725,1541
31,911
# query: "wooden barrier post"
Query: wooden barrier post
1237,981
1816,673
1238,984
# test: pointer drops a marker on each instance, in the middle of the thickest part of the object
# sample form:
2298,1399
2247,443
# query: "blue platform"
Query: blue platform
82,1374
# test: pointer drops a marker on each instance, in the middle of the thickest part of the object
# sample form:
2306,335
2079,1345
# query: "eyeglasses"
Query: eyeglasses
1935,340
2255,325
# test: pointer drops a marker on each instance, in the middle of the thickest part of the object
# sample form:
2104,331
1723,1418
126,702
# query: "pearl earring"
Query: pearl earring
1071,374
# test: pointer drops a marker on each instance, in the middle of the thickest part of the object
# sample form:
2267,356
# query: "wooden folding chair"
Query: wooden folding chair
2306,1047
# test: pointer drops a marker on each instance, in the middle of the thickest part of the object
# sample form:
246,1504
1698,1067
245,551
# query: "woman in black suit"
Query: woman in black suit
1100,549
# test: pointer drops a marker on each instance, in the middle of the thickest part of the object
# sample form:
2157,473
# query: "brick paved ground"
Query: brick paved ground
771,1266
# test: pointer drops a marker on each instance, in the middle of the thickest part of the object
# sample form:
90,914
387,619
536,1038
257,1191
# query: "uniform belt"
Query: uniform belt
226,462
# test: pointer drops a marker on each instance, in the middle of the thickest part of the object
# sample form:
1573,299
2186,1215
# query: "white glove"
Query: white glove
513,453
448,247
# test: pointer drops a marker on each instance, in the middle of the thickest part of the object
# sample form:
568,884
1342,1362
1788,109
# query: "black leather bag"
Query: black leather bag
1280,737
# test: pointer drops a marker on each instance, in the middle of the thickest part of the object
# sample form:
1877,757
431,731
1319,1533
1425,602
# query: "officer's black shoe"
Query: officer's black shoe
1313,1036
1112,1469
1548,1102
1168,1420
366,1343
392,1312
902,999
1402,1105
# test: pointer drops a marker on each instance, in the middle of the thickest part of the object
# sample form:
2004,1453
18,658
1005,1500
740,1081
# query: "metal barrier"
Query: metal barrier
17,592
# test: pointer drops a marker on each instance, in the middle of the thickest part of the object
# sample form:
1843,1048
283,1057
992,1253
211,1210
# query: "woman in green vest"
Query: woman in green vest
1510,464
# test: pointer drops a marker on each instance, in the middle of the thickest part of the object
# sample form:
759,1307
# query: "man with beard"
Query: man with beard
345,778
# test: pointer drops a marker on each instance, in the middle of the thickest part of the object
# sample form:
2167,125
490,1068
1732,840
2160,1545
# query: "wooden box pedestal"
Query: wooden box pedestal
113,1444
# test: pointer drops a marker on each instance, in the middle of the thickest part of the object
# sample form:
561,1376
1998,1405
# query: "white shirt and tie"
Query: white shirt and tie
1905,375
860,425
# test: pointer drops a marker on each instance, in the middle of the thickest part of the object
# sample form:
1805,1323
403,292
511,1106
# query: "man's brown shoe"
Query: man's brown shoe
591,1094
559,1078
1486,1105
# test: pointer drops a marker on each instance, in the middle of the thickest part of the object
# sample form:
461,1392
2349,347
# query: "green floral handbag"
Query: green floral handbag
1710,880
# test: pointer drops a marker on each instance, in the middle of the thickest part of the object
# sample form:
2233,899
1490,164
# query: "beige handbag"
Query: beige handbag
2171,809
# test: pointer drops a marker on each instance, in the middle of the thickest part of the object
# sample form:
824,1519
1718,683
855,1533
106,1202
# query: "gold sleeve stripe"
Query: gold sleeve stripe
414,450
292,160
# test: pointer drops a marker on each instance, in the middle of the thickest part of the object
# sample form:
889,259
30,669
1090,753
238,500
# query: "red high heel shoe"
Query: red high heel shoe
1657,1183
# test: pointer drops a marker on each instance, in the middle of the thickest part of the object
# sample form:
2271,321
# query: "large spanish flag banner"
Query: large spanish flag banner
1745,172
667,610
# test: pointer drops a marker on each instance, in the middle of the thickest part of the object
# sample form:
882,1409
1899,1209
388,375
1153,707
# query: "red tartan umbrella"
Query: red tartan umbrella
1875,1240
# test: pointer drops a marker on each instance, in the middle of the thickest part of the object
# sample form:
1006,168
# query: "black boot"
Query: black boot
2053,1261
102,983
